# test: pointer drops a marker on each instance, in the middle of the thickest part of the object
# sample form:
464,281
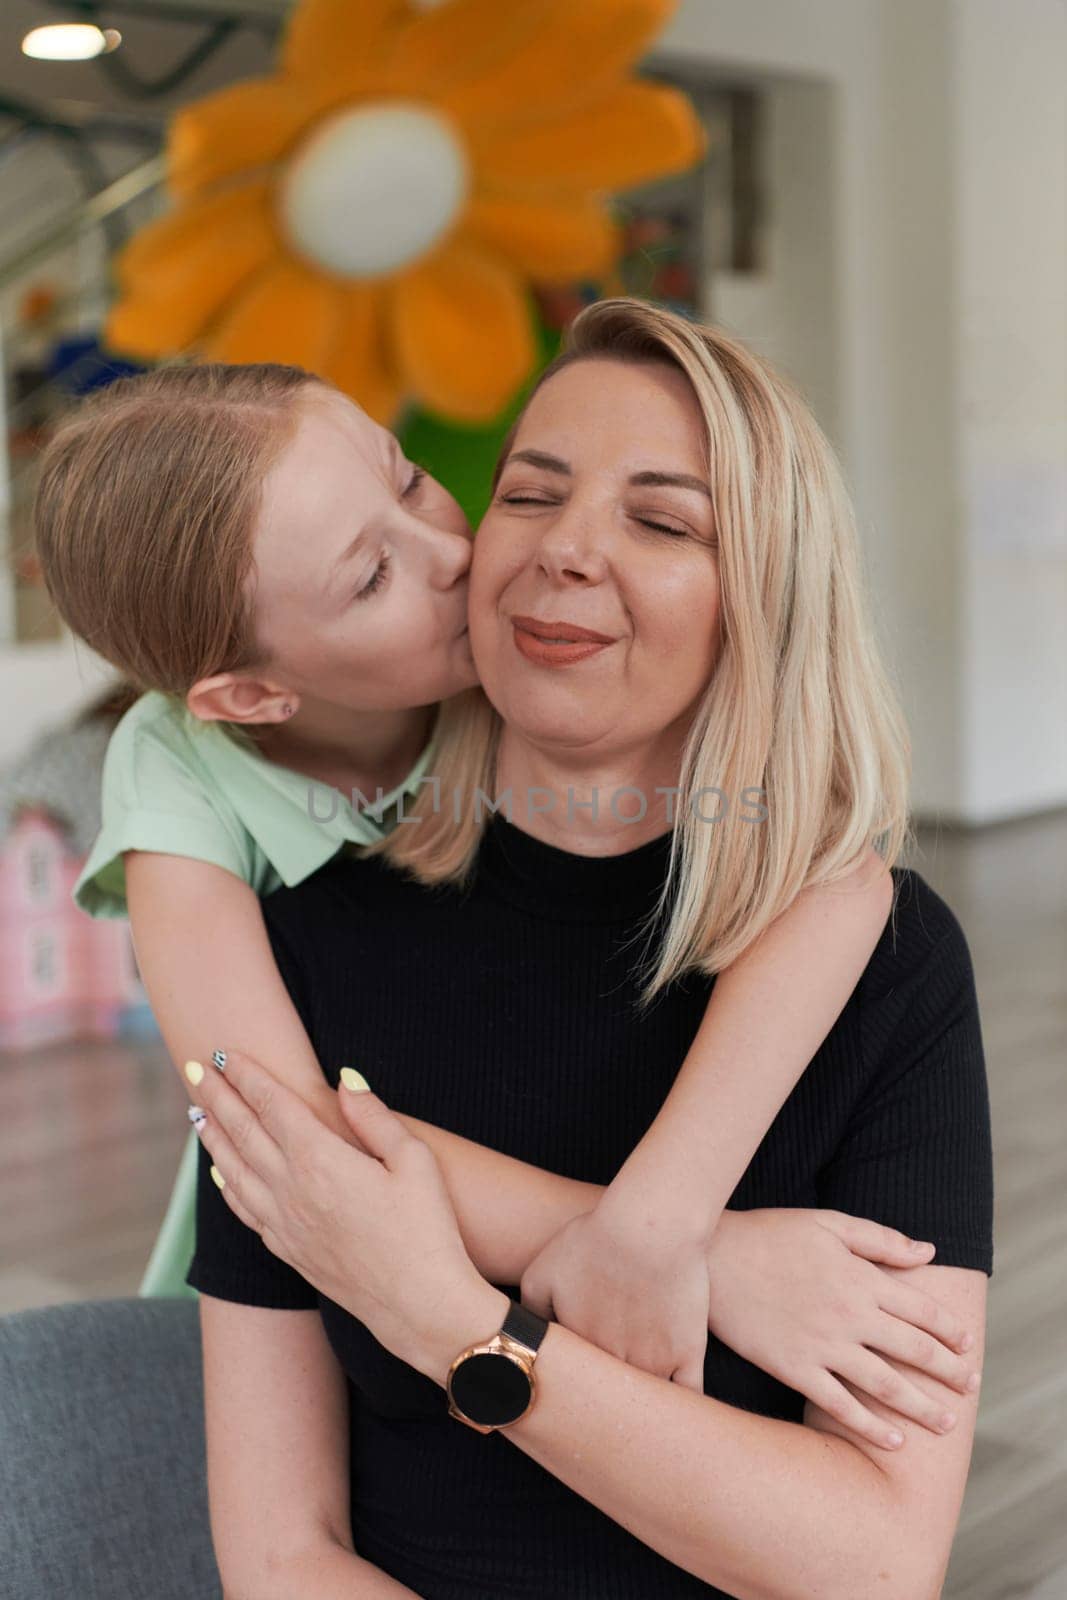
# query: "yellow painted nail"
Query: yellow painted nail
219,1179
354,1080
194,1071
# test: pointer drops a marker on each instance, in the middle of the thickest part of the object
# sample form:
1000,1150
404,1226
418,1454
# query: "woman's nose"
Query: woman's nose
573,545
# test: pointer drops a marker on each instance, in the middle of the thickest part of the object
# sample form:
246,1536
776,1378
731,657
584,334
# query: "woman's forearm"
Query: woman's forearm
507,1209
764,1509
331,1572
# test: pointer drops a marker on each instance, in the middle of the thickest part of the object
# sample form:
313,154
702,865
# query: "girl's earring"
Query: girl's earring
287,709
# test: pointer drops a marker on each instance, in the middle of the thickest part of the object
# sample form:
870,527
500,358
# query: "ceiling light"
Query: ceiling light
68,41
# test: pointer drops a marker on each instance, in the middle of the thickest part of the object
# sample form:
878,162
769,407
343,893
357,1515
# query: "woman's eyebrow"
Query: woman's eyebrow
641,480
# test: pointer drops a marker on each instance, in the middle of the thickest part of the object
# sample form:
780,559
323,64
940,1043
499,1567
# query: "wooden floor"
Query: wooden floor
90,1138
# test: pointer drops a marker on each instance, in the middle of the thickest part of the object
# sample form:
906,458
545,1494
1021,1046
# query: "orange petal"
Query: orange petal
554,241
287,313
245,126
182,242
462,333
358,361
632,134
324,35
577,50
451,44
177,272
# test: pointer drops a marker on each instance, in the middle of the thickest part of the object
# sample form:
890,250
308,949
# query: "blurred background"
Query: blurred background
880,207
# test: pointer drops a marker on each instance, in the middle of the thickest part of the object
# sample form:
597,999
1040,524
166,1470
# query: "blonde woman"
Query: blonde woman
667,493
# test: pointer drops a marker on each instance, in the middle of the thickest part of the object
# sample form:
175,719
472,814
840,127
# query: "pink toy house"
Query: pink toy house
63,974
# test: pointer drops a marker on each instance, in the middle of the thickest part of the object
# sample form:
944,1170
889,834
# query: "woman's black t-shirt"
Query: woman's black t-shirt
506,1013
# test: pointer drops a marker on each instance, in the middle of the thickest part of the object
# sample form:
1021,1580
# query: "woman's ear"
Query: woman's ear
230,697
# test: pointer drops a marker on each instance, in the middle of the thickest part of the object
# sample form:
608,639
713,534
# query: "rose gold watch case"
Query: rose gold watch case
500,1344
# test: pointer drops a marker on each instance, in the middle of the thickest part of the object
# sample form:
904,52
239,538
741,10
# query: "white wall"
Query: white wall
940,211
1010,151
843,226
42,684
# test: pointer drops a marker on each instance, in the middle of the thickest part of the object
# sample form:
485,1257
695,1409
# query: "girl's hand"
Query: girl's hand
639,1295
376,1233
798,1293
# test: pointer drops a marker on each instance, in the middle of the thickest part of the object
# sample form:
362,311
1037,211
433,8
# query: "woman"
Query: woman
506,945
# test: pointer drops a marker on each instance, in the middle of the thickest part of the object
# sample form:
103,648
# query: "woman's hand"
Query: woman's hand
376,1233
800,1294
636,1293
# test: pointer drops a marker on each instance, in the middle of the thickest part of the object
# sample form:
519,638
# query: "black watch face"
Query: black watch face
491,1389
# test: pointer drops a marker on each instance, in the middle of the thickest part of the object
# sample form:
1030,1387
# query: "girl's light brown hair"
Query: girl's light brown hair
799,705
147,496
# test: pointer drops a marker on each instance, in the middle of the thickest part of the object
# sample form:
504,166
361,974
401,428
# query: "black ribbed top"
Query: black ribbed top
506,1014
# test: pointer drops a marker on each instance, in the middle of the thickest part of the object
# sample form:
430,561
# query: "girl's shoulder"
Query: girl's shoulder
158,732
164,788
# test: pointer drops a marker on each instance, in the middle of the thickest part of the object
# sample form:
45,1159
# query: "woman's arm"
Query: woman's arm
276,1415
764,1509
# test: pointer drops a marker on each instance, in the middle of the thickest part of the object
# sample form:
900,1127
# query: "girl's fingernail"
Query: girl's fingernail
354,1080
194,1071
967,1341
219,1058
921,1244
219,1179
198,1116
894,1439
973,1381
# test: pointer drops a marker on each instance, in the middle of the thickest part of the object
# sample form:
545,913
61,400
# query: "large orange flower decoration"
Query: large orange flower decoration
376,210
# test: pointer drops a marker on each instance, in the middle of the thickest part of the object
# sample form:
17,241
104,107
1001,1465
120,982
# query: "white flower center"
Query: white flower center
371,189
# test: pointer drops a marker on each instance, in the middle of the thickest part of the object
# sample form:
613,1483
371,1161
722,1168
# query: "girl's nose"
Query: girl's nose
456,554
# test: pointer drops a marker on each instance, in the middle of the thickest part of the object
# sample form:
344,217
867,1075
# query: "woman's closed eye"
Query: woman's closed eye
537,500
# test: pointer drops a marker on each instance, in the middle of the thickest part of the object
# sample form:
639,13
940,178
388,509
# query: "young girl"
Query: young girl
289,592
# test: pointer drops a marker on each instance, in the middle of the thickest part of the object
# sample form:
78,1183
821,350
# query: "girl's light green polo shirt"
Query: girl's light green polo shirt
189,788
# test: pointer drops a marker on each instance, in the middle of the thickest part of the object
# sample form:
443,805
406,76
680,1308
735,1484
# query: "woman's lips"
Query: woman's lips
547,654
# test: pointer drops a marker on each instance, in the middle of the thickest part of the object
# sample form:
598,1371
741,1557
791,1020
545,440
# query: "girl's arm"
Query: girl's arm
212,980
768,1014
210,974
632,1275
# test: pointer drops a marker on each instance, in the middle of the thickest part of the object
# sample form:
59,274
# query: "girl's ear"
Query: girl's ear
229,697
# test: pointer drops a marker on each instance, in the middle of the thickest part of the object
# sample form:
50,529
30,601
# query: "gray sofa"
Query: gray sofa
103,1492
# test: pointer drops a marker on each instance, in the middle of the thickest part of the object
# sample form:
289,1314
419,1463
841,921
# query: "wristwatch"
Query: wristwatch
492,1384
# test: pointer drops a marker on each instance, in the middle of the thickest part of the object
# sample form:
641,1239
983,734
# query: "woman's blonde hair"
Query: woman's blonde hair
799,705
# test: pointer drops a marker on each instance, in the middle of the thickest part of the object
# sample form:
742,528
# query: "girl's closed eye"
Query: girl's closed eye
376,582
418,477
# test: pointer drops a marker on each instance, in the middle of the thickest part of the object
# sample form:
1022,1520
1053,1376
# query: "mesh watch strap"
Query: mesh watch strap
524,1325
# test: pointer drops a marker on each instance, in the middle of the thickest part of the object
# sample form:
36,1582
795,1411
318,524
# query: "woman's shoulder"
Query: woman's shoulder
919,982
923,937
